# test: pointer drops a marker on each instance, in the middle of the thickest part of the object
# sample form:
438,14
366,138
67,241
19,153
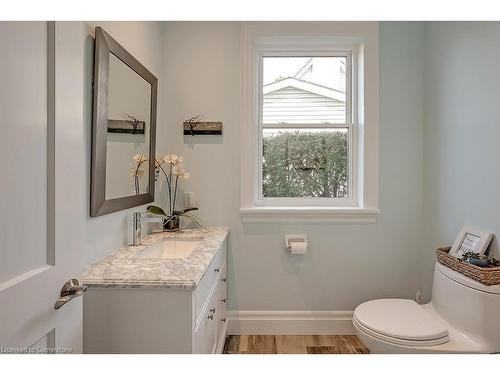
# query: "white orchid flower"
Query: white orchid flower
173,158
138,157
167,159
185,175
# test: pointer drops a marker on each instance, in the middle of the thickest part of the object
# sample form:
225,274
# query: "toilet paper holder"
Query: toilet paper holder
296,243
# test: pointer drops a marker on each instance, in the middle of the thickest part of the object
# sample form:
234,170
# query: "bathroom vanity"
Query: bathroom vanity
165,296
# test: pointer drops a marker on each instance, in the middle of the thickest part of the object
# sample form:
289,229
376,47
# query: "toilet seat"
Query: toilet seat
400,321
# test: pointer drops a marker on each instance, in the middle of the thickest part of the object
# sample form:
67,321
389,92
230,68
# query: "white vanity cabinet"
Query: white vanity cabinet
159,319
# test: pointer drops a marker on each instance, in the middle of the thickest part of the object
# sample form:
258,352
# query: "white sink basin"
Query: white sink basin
171,248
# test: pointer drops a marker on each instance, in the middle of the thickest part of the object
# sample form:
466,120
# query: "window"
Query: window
306,129
310,131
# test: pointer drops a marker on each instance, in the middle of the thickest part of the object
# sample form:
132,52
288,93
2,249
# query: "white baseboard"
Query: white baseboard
290,323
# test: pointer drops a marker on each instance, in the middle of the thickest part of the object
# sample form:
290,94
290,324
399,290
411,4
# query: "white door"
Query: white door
33,263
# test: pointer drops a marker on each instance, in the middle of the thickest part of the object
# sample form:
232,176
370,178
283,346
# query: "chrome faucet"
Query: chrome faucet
139,218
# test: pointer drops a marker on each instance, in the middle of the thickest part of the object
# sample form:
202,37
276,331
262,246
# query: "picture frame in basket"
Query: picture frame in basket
471,239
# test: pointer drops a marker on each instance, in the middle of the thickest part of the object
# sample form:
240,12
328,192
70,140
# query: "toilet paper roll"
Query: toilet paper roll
298,247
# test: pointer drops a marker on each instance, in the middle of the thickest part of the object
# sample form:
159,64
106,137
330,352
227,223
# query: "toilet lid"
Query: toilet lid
400,318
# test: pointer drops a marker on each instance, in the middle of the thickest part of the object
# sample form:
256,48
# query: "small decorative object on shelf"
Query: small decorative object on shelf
171,167
479,260
486,275
194,126
471,239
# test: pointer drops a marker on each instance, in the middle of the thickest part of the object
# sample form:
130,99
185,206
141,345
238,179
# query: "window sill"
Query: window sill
308,215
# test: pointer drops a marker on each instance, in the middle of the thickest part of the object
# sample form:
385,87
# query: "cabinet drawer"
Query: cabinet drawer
221,312
215,270
206,336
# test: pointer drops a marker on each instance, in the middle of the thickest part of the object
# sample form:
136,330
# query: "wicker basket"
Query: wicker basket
484,275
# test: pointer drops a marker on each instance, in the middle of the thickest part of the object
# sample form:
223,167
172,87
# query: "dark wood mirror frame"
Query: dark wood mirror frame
99,205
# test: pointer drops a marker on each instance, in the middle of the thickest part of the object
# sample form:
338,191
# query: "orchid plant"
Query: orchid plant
137,172
172,168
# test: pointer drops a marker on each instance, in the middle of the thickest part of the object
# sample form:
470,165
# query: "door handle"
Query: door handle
70,290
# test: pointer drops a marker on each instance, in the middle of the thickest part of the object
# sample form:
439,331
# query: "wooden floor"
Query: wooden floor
254,344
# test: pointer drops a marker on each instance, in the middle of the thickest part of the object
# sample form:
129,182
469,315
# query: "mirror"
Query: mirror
129,96
123,134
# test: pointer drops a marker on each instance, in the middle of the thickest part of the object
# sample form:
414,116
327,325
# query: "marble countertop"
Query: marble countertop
123,269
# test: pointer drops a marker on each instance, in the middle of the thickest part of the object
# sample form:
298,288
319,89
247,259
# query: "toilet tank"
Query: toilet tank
472,308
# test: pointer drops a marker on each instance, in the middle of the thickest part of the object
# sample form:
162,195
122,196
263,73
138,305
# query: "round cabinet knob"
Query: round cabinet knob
224,280
211,317
223,320
223,300
217,269
212,310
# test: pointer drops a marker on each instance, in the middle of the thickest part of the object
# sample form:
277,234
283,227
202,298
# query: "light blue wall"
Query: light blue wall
443,75
96,237
347,263
462,132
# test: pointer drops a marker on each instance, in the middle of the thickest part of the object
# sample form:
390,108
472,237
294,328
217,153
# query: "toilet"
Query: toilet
462,317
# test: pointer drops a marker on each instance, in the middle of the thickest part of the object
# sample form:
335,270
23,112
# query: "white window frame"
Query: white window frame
360,39
334,50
